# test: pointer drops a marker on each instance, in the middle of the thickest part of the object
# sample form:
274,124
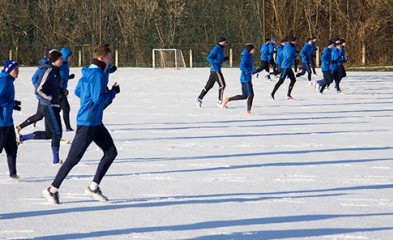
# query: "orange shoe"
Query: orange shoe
224,102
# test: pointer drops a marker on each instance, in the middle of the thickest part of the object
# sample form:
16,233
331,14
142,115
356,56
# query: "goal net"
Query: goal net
168,58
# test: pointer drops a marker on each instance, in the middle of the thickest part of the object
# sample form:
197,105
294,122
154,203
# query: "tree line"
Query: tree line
135,27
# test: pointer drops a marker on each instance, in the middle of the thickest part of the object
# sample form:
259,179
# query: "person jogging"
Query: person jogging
216,59
7,104
289,57
94,97
247,69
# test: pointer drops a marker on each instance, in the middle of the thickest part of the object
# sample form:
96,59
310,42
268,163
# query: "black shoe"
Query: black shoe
52,198
96,194
14,176
69,130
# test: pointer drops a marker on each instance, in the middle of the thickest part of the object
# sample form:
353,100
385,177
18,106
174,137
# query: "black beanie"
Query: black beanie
54,55
221,39
330,42
250,47
291,39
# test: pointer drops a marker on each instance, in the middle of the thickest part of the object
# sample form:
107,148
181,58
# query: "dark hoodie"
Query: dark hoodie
48,88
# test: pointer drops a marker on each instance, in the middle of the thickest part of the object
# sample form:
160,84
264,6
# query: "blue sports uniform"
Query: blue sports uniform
94,97
216,59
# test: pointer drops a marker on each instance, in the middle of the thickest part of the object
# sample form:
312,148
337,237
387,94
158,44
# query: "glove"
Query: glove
333,62
71,76
116,88
17,105
226,59
113,69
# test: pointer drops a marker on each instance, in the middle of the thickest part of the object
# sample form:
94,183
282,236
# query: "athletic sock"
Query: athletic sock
55,152
93,186
29,136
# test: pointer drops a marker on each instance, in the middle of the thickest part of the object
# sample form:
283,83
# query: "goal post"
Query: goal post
168,58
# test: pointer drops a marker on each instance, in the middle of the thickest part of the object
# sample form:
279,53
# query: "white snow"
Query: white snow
318,167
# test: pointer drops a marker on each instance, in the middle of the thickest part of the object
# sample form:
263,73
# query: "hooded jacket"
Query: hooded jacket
65,69
246,66
48,88
288,55
280,48
264,52
94,95
216,58
7,96
306,53
326,58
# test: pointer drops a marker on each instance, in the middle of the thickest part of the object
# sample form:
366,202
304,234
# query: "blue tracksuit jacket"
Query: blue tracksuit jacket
246,66
326,58
288,55
94,96
7,97
264,52
65,69
48,85
216,58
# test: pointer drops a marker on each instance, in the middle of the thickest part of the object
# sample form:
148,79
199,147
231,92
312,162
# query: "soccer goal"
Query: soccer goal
168,58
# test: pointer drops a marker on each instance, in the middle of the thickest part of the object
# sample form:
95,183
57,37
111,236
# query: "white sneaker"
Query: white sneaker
52,198
198,102
96,194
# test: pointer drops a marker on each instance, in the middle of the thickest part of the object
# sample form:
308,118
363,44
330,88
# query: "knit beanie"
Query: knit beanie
250,47
221,39
330,42
9,65
54,55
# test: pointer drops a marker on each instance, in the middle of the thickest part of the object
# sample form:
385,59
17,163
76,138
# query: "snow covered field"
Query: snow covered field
318,167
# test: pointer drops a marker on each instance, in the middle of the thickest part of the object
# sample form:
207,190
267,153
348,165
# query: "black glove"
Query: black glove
333,62
116,88
17,105
226,59
71,76
113,69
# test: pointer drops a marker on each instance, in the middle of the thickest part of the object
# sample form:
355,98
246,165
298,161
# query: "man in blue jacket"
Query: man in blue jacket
306,55
289,57
247,69
313,52
265,58
271,55
279,55
216,59
94,97
7,105
65,76
33,119
48,92
326,61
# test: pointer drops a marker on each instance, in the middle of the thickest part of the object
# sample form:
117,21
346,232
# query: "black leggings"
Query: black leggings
286,72
84,136
34,118
53,128
247,93
8,143
213,78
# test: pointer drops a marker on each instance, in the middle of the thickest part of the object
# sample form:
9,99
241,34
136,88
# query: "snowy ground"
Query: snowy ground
315,168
